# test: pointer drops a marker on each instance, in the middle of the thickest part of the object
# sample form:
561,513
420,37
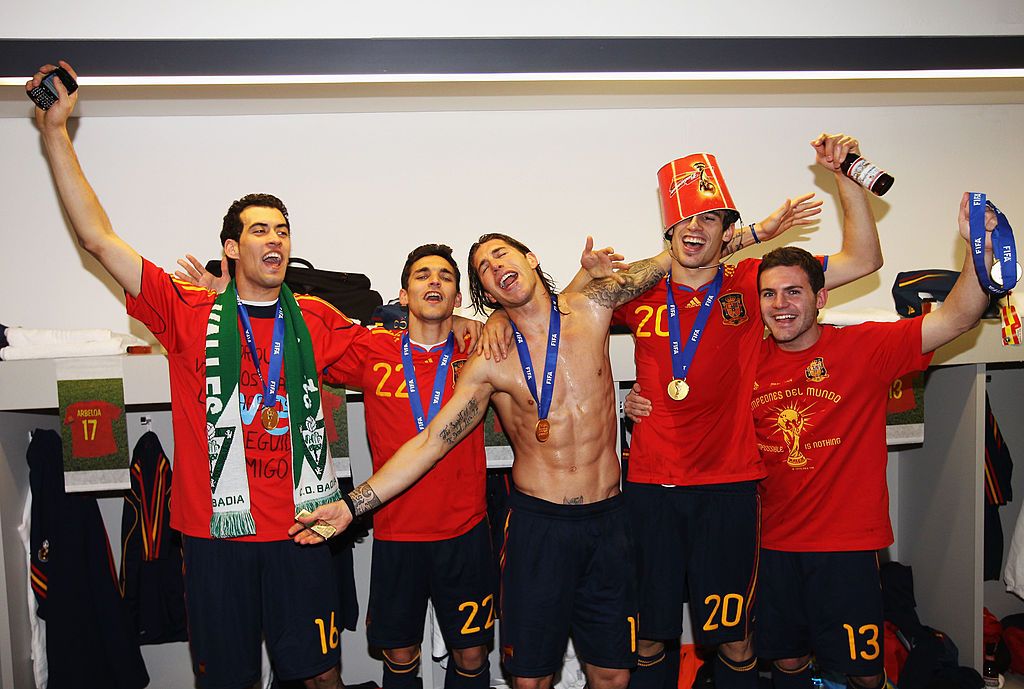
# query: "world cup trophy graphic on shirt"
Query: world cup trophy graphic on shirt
791,423
691,185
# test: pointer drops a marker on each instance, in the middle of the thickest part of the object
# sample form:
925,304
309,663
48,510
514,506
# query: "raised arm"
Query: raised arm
861,253
609,293
967,301
88,219
453,422
794,212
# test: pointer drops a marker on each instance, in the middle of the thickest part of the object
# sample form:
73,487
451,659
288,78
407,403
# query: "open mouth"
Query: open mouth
784,317
507,279
273,259
433,297
692,242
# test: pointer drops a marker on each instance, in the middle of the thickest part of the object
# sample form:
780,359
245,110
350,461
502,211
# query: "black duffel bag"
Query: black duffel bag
349,292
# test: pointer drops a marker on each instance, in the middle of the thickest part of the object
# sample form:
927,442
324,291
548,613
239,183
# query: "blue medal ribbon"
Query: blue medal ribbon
271,382
1005,251
682,357
550,361
440,378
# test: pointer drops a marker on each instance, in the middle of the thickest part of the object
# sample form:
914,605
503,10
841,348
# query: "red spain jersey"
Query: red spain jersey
820,418
707,437
177,314
450,499
92,431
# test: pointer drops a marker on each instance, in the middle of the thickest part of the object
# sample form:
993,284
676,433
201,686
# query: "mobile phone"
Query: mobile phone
45,94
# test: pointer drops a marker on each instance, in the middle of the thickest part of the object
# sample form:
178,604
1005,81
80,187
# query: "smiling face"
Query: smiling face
789,307
507,275
697,241
261,253
431,294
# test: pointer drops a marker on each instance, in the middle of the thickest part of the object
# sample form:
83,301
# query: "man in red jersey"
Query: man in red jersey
248,428
819,410
693,468
433,540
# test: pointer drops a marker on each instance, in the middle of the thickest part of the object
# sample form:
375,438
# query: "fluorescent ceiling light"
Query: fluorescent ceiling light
822,75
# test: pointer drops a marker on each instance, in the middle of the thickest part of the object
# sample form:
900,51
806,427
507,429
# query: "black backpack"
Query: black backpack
348,292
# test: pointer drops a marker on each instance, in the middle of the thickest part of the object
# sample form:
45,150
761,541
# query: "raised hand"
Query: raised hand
603,263
830,149
195,273
58,114
795,212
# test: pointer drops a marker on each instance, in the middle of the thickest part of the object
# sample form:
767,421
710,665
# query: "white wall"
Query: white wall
363,189
399,18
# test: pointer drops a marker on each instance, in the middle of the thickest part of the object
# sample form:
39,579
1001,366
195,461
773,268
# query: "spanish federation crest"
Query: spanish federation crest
733,310
816,371
456,370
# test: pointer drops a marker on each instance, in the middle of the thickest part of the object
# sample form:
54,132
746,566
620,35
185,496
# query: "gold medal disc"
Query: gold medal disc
678,389
269,418
543,431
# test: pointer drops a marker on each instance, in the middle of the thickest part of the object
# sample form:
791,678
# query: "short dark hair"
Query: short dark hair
729,217
791,256
232,226
477,294
442,251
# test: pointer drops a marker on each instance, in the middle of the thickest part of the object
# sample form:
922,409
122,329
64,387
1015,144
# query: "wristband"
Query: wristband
753,234
347,499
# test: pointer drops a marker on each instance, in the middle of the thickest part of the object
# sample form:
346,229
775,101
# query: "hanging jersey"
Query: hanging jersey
177,314
450,499
151,576
708,436
820,418
92,430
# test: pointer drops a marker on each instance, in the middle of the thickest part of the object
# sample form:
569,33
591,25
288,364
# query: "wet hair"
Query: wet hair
477,294
440,250
728,216
791,256
232,226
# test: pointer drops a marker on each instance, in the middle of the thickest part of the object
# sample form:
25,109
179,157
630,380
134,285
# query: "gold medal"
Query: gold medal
269,418
678,389
543,431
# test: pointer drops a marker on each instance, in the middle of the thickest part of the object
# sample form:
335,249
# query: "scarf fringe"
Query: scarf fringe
232,524
313,503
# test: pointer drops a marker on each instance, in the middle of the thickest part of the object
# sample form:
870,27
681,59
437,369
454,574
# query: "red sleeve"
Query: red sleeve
619,316
160,299
896,348
69,415
343,343
112,409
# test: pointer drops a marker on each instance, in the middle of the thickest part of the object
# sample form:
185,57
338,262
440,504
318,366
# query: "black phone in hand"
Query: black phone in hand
45,94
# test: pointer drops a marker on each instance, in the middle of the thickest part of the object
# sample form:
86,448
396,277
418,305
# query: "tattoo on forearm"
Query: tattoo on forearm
452,433
578,500
364,499
641,276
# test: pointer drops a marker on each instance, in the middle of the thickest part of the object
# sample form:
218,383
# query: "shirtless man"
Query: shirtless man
567,561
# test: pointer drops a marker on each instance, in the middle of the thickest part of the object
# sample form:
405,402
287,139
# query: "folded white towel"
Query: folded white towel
29,337
117,343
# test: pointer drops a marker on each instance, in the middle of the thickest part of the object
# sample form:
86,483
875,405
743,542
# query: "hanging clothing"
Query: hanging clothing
151,576
90,643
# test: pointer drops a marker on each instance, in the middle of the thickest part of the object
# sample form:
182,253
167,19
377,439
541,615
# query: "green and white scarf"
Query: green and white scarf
313,483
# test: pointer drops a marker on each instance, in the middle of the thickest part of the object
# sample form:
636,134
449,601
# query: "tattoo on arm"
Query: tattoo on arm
364,499
453,432
734,245
641,276
578,500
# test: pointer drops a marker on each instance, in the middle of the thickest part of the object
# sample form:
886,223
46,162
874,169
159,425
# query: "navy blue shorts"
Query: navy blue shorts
566,569
239,592
696,544
456,574
829,604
